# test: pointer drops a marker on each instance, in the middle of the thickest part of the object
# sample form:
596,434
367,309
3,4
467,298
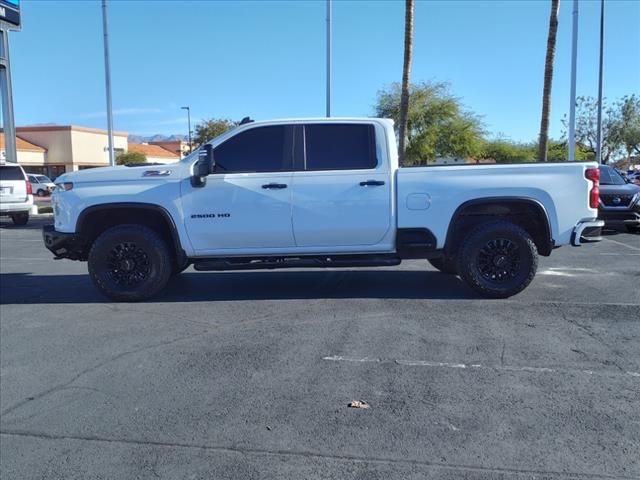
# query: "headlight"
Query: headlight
64,187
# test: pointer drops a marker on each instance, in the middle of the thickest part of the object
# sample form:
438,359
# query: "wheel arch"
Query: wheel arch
528,213
96,219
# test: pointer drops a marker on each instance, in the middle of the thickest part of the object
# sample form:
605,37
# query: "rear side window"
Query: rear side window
340,147
261,149
11,173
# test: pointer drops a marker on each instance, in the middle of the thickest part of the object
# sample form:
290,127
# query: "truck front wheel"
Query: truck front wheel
129,263
498,259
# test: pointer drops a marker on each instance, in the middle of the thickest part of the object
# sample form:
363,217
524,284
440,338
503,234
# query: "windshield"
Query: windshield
609,176
43,179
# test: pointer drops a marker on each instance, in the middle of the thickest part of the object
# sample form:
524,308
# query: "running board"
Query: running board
221,264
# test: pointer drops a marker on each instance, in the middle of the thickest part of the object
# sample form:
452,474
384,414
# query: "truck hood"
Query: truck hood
120,173
626,189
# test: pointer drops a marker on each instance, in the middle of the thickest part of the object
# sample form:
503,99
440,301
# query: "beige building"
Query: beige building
69,147
55,149
28,153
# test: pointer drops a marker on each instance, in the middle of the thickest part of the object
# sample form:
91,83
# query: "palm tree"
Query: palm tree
406,74
548,79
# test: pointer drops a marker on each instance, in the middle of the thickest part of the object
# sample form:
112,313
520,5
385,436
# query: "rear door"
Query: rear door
342,192
13,185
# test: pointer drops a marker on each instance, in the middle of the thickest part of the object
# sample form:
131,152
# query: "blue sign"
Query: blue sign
10,11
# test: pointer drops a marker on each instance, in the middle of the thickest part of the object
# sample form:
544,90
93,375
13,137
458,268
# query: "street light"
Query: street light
189,125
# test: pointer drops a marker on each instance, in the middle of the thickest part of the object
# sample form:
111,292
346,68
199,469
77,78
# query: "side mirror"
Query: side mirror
203,167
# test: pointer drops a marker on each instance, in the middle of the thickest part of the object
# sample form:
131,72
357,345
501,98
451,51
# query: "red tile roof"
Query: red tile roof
152,150
22,145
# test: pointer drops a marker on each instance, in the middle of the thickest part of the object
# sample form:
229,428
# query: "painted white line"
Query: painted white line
623,244
24,240
556,274
337,358
477,366
18,259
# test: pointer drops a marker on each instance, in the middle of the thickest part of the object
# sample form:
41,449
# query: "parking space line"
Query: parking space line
478,366
19,259
623,244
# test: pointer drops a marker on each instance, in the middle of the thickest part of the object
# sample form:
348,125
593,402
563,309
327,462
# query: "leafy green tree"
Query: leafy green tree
211,128
506,151
587,128
131,157
437,123
559,152
626,124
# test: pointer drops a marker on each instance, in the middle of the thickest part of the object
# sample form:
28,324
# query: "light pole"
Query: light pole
329,57
600,72
107,81
572,106
189,125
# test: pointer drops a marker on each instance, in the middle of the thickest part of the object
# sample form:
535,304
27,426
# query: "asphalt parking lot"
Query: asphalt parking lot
248,375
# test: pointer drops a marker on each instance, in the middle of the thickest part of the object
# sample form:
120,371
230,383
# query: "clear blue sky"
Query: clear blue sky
266,59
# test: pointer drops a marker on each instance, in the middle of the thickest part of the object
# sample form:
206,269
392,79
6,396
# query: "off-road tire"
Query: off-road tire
129,263
20,219
444,265
498,259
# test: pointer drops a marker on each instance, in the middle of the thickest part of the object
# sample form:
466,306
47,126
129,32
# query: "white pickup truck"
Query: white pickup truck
318,193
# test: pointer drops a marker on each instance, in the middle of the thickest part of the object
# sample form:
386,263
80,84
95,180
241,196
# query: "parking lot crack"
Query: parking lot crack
589,331
91,369
344,457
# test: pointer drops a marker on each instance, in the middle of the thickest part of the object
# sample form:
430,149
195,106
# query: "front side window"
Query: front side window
261,149
340,147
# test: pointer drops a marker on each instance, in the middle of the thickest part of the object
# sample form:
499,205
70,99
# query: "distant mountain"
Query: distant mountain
154,138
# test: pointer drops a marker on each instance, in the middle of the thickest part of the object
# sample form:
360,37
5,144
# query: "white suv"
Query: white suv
16,196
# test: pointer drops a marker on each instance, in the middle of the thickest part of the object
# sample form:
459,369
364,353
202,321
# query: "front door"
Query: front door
245,205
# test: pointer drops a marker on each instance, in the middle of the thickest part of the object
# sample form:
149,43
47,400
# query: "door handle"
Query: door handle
275,186
372,183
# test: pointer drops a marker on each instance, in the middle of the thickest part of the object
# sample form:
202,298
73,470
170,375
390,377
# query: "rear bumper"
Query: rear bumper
63,245
18,207
587,231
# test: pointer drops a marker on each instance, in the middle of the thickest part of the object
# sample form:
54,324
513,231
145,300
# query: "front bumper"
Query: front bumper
587,231
615,218
63,245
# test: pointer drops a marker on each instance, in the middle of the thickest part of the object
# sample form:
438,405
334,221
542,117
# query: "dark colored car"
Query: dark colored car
619,200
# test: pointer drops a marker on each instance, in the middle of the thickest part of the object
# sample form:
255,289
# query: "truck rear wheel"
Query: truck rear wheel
129,263
444,265
498,259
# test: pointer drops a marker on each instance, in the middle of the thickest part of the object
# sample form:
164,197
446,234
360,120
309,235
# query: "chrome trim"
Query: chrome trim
576,236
